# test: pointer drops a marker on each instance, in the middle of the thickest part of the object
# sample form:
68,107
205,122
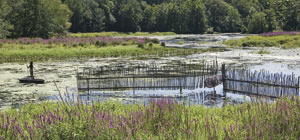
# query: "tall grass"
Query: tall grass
284,41
160,119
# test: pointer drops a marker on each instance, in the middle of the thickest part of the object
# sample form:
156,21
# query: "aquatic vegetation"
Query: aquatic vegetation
263,52
284,41
160,119
180,42
202,42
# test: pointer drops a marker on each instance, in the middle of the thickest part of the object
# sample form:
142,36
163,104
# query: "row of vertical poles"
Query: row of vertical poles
140,77
260,83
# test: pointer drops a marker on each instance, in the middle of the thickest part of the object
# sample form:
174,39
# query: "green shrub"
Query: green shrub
263,52
140,45
75,45
155,41
82,44
100,43
180,42
115,43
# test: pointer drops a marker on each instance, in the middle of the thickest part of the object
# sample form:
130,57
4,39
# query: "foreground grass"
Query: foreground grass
17,52
120,34
284,41
162,119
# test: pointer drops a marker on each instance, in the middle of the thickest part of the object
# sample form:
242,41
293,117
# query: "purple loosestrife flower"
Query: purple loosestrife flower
7,125
49,121
280,33
38,125
128,132
248,128
110,124
133,130
7,119
19,129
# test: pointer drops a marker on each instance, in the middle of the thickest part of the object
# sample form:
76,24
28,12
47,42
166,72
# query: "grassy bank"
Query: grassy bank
284,41
58,52
120,34
162,119
80,47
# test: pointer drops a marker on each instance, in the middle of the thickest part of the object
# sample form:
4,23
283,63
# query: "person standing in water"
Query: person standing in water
31,69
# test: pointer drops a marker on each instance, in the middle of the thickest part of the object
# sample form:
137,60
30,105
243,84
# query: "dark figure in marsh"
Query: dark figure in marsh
31,69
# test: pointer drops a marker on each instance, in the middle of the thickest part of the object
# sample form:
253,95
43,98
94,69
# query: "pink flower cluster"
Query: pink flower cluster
280,33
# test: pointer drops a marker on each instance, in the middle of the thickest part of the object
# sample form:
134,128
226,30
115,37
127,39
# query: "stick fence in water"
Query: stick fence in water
143,77
260,83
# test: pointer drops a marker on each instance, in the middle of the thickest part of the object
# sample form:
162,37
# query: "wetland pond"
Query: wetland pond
63,73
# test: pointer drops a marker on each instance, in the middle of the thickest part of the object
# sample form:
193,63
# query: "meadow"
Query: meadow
284,40
160,119
85,47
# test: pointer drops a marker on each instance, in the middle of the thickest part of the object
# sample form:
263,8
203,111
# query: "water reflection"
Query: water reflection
202,96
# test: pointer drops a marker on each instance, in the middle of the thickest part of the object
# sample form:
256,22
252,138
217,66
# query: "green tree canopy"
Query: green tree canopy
5,26
87,16
131,15
39,18
258,23
45,18
222,16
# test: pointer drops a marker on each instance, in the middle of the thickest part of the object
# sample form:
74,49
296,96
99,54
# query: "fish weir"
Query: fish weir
146,77
262,83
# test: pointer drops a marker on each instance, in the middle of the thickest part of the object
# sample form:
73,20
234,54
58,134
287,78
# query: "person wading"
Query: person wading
31,69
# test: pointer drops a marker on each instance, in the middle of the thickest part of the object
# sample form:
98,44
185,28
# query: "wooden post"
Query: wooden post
88,83
77,78
257,85
216,67
133,84
224,79
281,88
298,86
180,85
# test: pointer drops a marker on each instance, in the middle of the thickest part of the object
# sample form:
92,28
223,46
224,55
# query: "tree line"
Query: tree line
46,18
